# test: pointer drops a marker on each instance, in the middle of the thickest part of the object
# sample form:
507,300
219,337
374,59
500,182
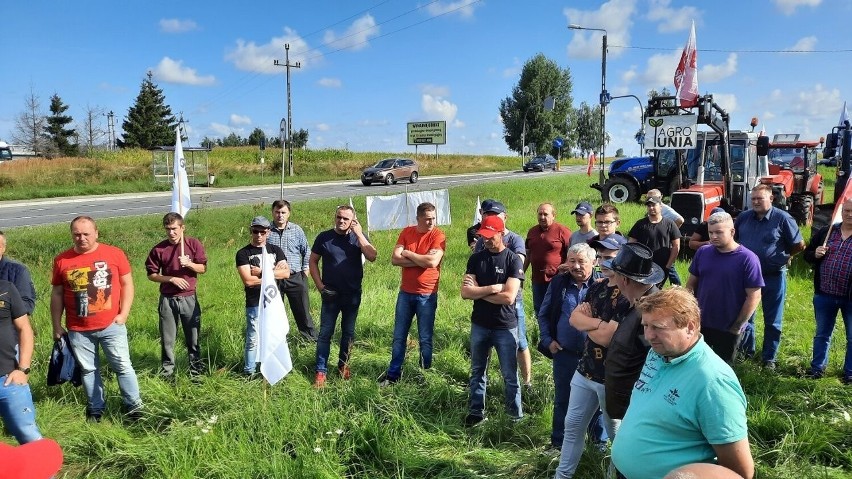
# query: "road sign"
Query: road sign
427,133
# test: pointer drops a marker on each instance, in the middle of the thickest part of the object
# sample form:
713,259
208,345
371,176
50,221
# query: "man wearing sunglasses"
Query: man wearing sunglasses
250,269
339,282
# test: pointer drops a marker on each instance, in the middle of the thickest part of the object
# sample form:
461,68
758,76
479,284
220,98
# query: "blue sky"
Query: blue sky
369,67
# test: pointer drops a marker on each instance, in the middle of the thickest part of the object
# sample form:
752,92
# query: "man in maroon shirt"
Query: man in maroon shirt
175,264
547,247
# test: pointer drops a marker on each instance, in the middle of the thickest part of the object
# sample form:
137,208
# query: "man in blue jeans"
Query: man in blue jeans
492,280
339,282
418,251
93,287
16,400
249,268
773,236
830,251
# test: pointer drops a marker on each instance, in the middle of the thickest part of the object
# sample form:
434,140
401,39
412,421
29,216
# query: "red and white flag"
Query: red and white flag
686,75
592,160
837,217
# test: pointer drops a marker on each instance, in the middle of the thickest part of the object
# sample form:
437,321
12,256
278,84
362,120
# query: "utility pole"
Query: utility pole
111,130
288,65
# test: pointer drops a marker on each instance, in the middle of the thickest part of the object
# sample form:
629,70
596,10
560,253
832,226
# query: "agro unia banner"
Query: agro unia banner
399,211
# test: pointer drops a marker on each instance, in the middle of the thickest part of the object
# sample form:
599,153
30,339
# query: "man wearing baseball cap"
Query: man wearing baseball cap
661,235
583,215
492,280
249,268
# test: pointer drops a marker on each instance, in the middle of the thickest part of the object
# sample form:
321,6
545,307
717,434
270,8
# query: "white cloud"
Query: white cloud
249,56
805,44
671,20
219,129
235,120
322,127
330,82
173,71
514,70
817,103
612,16
436,108
727,101
788,7
714,73
175,25
435,90
458,123
462,8
355,37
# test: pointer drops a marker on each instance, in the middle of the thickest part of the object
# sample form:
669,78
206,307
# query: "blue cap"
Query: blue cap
583,208
612,242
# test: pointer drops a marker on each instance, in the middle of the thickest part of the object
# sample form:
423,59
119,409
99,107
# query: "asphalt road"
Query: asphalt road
14,214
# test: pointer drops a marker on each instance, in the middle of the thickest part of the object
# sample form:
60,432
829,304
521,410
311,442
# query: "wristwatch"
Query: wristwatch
23,370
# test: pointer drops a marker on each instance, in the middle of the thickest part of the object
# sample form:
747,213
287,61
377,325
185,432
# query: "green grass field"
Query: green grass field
228,427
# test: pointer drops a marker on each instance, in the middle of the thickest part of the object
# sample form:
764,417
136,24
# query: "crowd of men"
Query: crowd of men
646,367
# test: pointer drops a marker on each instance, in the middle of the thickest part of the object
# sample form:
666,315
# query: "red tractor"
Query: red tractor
796,185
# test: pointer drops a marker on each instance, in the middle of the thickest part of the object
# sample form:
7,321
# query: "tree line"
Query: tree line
149,123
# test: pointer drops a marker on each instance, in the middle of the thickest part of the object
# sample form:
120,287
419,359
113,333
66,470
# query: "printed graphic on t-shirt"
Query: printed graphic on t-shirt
92,288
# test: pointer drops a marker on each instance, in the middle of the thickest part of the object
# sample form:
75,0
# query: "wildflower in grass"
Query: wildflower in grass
317,449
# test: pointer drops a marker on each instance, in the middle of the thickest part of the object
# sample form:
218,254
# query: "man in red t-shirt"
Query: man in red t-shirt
547,247
418,251
92,285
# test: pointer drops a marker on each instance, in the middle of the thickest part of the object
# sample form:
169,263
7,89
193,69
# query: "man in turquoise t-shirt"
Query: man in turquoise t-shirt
687,405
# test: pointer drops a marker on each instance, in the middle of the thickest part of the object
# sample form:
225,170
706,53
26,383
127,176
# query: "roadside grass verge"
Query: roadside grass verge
226,426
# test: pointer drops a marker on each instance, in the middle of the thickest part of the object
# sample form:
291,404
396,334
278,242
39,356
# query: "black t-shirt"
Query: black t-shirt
494,268
250,255
607,303
624,360
11,307
702,231
656,236
471,233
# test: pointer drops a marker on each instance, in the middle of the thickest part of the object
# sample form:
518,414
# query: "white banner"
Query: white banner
274,352
673,132
399,211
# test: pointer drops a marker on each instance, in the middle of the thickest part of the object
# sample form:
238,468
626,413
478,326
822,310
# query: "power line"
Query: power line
719,50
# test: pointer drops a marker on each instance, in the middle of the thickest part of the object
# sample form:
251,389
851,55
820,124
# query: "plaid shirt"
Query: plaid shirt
293,241
836,266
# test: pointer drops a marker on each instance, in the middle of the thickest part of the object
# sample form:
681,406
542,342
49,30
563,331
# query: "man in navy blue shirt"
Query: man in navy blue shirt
773,236
339,283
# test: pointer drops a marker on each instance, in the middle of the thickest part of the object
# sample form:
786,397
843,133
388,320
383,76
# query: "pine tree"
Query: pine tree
58,137
149,122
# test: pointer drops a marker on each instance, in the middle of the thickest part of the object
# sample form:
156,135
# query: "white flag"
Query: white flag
477,215
843,116
686,74
274,355
181,202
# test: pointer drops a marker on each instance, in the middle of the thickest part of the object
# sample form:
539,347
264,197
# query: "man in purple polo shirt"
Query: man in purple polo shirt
726,279
175,263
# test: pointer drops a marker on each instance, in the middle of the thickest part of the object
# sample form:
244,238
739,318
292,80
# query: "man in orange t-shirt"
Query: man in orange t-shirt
418,251
93,286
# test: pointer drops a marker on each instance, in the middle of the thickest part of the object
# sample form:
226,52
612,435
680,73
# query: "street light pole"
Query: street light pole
604,98
642,119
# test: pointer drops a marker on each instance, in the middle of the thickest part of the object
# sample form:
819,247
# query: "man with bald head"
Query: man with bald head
547,247
93,287
725,277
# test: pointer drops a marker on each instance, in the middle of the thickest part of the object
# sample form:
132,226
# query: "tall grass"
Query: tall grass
229,427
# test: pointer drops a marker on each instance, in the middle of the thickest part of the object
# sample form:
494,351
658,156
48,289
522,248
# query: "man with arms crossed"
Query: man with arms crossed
725,277
687,405
292,240
418,251
492,280
175,264
93,286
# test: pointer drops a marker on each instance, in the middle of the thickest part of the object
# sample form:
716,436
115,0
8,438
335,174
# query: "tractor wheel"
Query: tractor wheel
619,190
802,209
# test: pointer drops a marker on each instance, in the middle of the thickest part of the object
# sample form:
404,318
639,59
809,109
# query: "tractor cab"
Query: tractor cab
796,185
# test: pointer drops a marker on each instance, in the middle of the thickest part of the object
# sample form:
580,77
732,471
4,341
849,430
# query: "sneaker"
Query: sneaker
814,374
134,414
385,380
770,365
345,372
472,420
319,381
847,380
93,416
551,451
